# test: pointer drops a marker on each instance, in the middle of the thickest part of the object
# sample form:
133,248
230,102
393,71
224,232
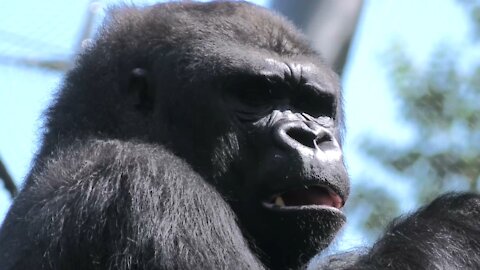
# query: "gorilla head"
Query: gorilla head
237,93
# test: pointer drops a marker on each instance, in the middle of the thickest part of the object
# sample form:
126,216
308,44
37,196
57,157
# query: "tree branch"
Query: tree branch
7,180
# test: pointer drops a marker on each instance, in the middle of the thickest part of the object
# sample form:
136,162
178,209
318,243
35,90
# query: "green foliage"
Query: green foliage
375,207
440,103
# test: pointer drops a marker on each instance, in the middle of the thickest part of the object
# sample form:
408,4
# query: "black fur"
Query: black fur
96,203
173,134
442,235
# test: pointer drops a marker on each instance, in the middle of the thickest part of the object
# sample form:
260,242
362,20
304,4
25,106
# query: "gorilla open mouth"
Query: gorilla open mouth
320,197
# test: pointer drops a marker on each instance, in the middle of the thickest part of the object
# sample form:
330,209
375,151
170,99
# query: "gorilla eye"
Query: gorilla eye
317,104
256,96
253,104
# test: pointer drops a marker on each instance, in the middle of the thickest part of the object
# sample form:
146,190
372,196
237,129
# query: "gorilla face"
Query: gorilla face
293,182
265,132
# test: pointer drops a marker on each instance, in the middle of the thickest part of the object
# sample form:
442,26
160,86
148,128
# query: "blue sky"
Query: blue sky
51,28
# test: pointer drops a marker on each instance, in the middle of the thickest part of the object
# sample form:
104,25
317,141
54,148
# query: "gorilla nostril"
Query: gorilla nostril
305,137
322,138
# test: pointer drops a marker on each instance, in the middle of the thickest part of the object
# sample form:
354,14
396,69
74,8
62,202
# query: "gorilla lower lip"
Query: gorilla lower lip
311,196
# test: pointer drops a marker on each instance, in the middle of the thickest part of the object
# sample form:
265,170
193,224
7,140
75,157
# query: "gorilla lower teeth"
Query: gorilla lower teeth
279,201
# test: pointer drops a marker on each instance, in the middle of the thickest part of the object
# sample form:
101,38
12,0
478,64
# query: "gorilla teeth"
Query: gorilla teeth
279,201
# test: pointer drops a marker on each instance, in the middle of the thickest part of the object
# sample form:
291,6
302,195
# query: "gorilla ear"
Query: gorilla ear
143,93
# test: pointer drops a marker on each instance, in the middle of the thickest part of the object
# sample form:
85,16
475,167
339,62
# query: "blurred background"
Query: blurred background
410,72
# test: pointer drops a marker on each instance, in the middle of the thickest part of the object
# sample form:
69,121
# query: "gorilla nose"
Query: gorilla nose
297,134
303,136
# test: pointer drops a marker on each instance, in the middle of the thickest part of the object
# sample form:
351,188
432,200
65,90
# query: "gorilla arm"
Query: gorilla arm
443,235
119,205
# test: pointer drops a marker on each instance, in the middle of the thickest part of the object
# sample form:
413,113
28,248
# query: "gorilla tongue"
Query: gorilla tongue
315,195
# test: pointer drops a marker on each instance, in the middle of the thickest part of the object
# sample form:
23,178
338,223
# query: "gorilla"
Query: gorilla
206,136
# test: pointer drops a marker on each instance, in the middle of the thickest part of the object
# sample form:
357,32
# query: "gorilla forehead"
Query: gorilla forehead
189,27
199,40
